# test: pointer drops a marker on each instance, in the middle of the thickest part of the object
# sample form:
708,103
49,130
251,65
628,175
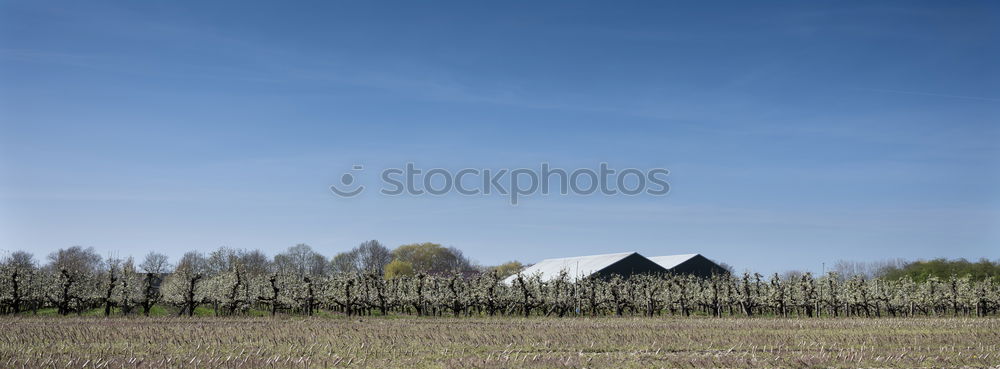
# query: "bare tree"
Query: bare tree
255,262
373,256
222,259
790,275
727,267
301,260
459,261
21,259
76,260
867,269
317,265
154,266
345,262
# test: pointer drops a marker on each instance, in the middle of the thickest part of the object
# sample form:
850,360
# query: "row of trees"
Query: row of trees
77,279
919,270
300,281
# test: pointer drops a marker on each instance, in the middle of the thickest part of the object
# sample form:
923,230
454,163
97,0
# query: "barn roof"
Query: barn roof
578,267
671,261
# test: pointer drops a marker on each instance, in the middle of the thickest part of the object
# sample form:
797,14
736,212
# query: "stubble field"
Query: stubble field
87,342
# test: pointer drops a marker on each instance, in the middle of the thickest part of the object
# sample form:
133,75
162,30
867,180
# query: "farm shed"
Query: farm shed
597,266
693,264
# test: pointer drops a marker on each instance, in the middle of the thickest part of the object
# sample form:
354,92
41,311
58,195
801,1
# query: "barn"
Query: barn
593,266
693,264
622,264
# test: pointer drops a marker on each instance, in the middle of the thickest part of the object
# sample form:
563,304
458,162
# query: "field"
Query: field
205,342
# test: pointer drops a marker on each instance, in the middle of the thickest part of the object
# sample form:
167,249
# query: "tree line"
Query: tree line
78,279
919,270
428,279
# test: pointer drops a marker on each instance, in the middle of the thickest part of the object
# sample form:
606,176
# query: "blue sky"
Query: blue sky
795,134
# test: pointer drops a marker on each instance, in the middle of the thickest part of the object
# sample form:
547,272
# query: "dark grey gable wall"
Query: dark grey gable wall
699,266
632,264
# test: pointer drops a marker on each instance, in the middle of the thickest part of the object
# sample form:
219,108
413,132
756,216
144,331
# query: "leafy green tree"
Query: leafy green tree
508,269
430,257
942,268
398,268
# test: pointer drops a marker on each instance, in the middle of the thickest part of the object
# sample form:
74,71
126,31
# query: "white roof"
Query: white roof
577,267
670,261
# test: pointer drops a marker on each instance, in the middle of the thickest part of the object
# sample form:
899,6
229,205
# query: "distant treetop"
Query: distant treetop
942,268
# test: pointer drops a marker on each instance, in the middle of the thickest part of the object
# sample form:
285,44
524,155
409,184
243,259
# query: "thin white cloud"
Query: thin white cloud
931,94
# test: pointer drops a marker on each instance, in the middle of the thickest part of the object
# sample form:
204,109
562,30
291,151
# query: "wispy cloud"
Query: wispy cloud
931,94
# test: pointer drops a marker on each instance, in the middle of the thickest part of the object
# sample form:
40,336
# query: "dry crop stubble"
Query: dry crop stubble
481,342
